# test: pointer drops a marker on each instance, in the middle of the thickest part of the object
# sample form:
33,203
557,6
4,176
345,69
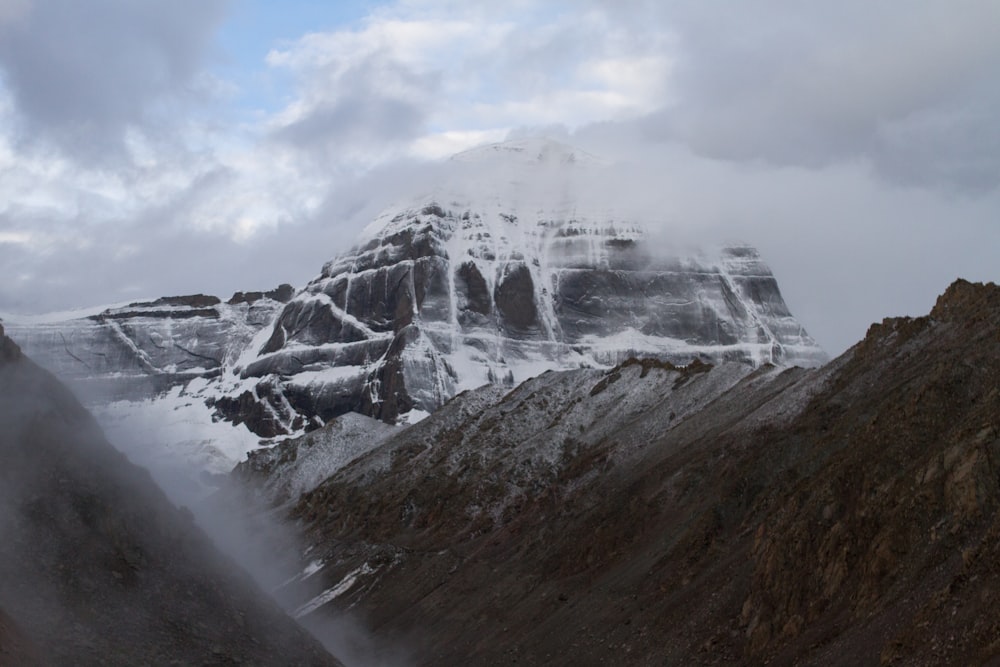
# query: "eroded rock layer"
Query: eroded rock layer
142,349
446,297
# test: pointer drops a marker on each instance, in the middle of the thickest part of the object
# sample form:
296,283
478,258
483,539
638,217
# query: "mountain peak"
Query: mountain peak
443,298
968,299
533,150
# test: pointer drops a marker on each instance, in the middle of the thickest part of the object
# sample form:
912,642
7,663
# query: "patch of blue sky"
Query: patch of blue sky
255,27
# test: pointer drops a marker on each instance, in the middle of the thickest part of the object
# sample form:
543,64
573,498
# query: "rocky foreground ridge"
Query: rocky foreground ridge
97,567
697,514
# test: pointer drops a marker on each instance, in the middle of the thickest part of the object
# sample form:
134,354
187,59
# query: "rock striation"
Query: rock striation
142,349
494,284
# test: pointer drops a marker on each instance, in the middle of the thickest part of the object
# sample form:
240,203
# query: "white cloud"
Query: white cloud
417,80
818,132
456,72
810,85
80,74
15,237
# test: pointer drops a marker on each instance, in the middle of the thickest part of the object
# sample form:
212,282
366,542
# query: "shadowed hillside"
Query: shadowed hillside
97,567
655,514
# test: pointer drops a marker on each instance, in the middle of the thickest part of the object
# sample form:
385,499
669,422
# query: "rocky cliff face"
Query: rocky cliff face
142,349
97,567
149,371
704,514
495,284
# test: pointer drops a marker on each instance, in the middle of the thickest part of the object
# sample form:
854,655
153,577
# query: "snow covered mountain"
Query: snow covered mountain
510,263
495,276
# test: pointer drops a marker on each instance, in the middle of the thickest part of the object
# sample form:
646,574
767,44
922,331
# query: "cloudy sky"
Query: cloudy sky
151,148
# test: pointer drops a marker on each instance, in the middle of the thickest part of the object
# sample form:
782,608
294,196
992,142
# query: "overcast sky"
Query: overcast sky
151,148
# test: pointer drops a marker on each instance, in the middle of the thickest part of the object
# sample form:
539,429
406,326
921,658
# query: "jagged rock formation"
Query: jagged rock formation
97,567
656,514
469,287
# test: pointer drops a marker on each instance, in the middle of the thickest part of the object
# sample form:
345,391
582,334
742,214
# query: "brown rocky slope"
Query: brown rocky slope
662,515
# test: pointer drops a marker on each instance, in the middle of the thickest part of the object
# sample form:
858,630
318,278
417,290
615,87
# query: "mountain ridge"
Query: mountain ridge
442,297
651,513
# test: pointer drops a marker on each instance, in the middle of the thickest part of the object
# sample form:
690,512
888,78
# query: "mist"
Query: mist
88,534
259,537
857,149
846,250
96,565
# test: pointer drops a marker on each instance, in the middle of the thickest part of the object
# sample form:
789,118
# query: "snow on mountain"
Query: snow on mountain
511,264
141,349
502,272
146,369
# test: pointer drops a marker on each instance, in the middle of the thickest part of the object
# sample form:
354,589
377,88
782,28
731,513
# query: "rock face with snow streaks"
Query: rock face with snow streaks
467,288
508,268
141,349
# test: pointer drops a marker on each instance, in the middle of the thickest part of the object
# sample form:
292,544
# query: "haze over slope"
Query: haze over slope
97,567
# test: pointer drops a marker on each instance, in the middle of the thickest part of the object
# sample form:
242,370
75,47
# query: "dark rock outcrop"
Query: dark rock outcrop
9,350
283,293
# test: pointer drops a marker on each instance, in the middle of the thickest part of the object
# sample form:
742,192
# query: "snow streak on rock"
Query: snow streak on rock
497,277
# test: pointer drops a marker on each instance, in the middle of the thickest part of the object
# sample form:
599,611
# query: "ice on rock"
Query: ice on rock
499,275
